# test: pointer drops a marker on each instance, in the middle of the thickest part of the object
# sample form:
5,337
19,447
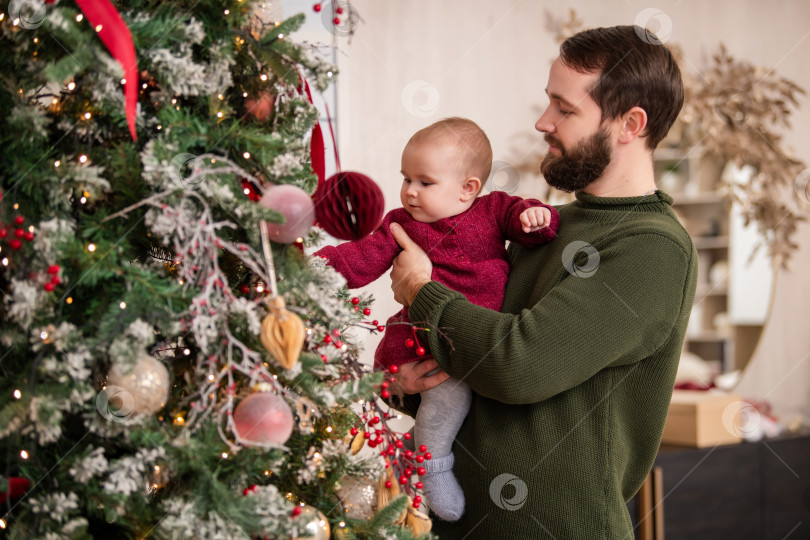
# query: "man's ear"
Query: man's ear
633,124
470,188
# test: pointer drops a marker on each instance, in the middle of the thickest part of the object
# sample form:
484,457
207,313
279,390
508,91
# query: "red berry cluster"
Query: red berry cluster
337,11
403,461
410,342
16,233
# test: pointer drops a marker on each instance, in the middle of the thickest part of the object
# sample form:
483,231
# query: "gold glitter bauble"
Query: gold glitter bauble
315,525
358,496
147,385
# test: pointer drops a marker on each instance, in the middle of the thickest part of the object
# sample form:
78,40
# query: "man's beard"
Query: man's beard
574,169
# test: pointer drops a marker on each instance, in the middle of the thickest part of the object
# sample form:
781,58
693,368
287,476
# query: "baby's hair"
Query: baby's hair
468,137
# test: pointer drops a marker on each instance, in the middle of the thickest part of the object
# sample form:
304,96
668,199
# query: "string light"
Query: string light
224,455
329,429
244,94
246,155
2,16
2,521
98,28
16,206
87,116
123,305
43,335
24,454
79,17
123,81
69,300
211,377
219,114
91,247
179,421
15,22
186,352
342,524
281,36
263,77
83,200
246,191
227,12
5,261
17,394
55,101
71,86
221,97
328,73
159,127
36,40
82,159
299,240
259,288
57,163
174,101
31,228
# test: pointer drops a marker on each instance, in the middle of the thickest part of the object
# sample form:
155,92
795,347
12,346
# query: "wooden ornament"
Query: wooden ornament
282,334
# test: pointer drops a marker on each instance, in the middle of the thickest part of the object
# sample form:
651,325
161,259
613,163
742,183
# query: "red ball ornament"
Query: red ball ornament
15,244
56,280
16,488
316,8
353,431
3,233
367,312
339,10
295,205
19,233
296,511
29,236
53,269
355,300
245,289
261,108
48,287
409,343
349,205
19,220
388,484
263,418
336,20
385,394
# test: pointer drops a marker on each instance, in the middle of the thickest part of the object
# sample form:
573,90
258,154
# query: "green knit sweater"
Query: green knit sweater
572,379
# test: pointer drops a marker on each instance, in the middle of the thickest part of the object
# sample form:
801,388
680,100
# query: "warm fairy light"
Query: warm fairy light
24,454
399,417
263,77
31,228
17,394
246,155
91,247
186,352
98,28
213,160
179,421
83,200
2,16
5,261
267,473
87,116
227,12
281,36
329,429
224,455
275,377
246,191
69,300
71,86
180,281
159,127
144,85
211,377
2,522
299,240
157,468
259,288
57,163
342,524
55,101
219,114
123,81
15,22
43,335
317,455
221,97
79,17
174,101
36,40
309,331
244,94
16,206
82,158
328,73
123,305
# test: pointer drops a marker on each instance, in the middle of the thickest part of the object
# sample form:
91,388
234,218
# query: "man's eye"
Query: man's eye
563,112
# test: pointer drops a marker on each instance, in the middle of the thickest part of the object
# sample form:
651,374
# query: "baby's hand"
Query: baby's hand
535,218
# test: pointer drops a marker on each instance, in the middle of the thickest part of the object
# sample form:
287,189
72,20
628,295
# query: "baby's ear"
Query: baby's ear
470,188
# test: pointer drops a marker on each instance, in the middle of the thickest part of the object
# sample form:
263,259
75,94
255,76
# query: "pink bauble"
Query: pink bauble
295,205
263,418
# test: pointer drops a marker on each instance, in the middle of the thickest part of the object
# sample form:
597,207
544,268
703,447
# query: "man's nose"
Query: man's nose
544,123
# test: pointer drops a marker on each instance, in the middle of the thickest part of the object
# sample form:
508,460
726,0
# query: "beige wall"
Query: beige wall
413,62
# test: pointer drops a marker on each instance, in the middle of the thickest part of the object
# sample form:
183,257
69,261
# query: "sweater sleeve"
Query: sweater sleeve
507,210
362,261
618,315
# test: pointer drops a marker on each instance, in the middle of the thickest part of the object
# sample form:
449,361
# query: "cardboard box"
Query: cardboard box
699,419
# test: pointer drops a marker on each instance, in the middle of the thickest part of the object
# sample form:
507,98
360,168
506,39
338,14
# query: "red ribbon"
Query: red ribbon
16,488
115,34
317,147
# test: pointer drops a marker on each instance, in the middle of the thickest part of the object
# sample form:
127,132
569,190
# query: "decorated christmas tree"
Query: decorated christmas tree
173,365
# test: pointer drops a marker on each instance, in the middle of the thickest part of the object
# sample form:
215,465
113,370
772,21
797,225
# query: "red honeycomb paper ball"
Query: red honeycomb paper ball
349,205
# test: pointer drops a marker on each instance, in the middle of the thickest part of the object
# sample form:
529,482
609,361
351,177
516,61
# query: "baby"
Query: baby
444,168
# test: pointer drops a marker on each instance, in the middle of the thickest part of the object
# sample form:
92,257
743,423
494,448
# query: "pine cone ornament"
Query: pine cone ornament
282,334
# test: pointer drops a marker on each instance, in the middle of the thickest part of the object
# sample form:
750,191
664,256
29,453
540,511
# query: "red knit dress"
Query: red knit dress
468,253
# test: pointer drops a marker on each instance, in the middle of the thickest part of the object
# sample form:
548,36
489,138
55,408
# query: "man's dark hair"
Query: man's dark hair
635,70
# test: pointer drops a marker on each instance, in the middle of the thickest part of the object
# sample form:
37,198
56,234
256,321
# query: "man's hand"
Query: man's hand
535,218
411,270
413,377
